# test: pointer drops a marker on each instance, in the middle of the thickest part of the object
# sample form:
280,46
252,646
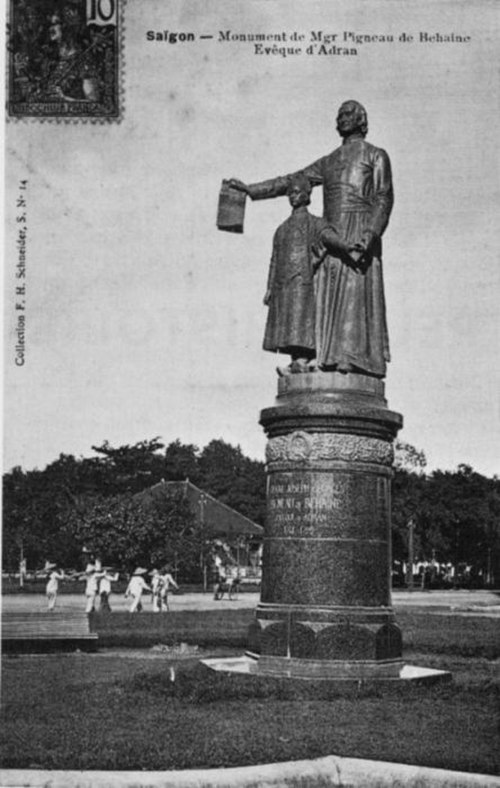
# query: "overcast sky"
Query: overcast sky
144,320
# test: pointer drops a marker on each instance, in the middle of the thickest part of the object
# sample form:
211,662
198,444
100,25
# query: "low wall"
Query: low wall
204,628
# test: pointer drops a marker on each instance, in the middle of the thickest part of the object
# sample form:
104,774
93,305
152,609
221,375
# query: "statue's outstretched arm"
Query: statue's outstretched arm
276,187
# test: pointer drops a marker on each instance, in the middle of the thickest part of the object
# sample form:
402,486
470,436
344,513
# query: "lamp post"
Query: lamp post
457,536
22,565
202,556
411,550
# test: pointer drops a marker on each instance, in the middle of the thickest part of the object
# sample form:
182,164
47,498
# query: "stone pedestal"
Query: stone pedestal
325,608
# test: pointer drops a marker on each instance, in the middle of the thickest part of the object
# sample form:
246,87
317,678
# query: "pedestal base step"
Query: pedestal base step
395,671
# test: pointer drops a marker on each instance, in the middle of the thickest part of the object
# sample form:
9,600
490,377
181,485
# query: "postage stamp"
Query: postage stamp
64,59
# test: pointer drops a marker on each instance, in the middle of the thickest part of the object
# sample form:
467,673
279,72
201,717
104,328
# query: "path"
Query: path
460,601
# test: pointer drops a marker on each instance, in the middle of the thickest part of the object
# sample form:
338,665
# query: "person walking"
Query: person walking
52,587
156,589
105,588
92,577
233,585
167,582
137,585
220,582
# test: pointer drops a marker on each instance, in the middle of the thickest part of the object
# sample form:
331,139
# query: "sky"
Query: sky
144,320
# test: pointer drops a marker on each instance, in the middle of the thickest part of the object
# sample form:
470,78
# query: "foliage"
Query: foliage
127,532
181,462
462,514
51,514
234,479
132,468
408,458
456,514
34,515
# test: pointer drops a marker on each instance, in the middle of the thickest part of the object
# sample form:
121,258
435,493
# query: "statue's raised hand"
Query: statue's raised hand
237,184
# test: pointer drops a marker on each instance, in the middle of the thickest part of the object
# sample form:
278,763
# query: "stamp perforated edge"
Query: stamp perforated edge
59,119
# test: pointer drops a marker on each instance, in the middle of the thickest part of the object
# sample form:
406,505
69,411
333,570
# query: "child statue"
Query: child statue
298,250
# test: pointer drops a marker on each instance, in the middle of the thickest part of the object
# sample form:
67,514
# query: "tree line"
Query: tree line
92,504
76,503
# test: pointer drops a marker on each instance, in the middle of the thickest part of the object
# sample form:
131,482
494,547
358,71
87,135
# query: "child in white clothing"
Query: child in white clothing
53,585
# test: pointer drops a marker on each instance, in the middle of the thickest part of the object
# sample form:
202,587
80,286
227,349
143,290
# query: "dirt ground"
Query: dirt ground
477,602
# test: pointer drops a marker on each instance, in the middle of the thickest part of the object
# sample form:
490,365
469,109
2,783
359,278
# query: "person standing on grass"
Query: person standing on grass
156,589
234,583
105,588
137,585
167,582
220,582
52,587
92,577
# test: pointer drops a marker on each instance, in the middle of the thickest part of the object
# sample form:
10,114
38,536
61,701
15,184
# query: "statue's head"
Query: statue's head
299,190
352,119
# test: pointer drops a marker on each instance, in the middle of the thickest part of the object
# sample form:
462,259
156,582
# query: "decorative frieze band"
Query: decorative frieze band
317,446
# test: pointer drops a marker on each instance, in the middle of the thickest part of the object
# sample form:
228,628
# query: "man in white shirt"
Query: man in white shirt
105,588
137,585
92,577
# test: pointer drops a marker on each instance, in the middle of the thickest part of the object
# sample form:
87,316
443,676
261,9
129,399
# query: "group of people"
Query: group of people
161,583
226,580
98,581
98,586
435,574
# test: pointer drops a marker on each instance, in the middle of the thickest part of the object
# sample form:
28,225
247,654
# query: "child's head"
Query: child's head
299,190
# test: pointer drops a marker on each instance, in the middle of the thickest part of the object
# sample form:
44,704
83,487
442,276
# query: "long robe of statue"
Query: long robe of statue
351,329
291,284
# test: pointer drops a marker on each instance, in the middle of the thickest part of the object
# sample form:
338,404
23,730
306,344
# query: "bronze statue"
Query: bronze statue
290,295
351,330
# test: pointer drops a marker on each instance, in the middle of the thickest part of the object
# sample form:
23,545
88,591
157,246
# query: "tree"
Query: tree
408,495
408,458
126,531
234,479
35,510
181,462
456,513
132,468
463,515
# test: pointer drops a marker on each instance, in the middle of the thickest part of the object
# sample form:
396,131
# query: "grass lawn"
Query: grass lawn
118,712
440,634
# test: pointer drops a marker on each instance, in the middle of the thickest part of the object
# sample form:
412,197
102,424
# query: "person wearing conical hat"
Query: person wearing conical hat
53,584
137,585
